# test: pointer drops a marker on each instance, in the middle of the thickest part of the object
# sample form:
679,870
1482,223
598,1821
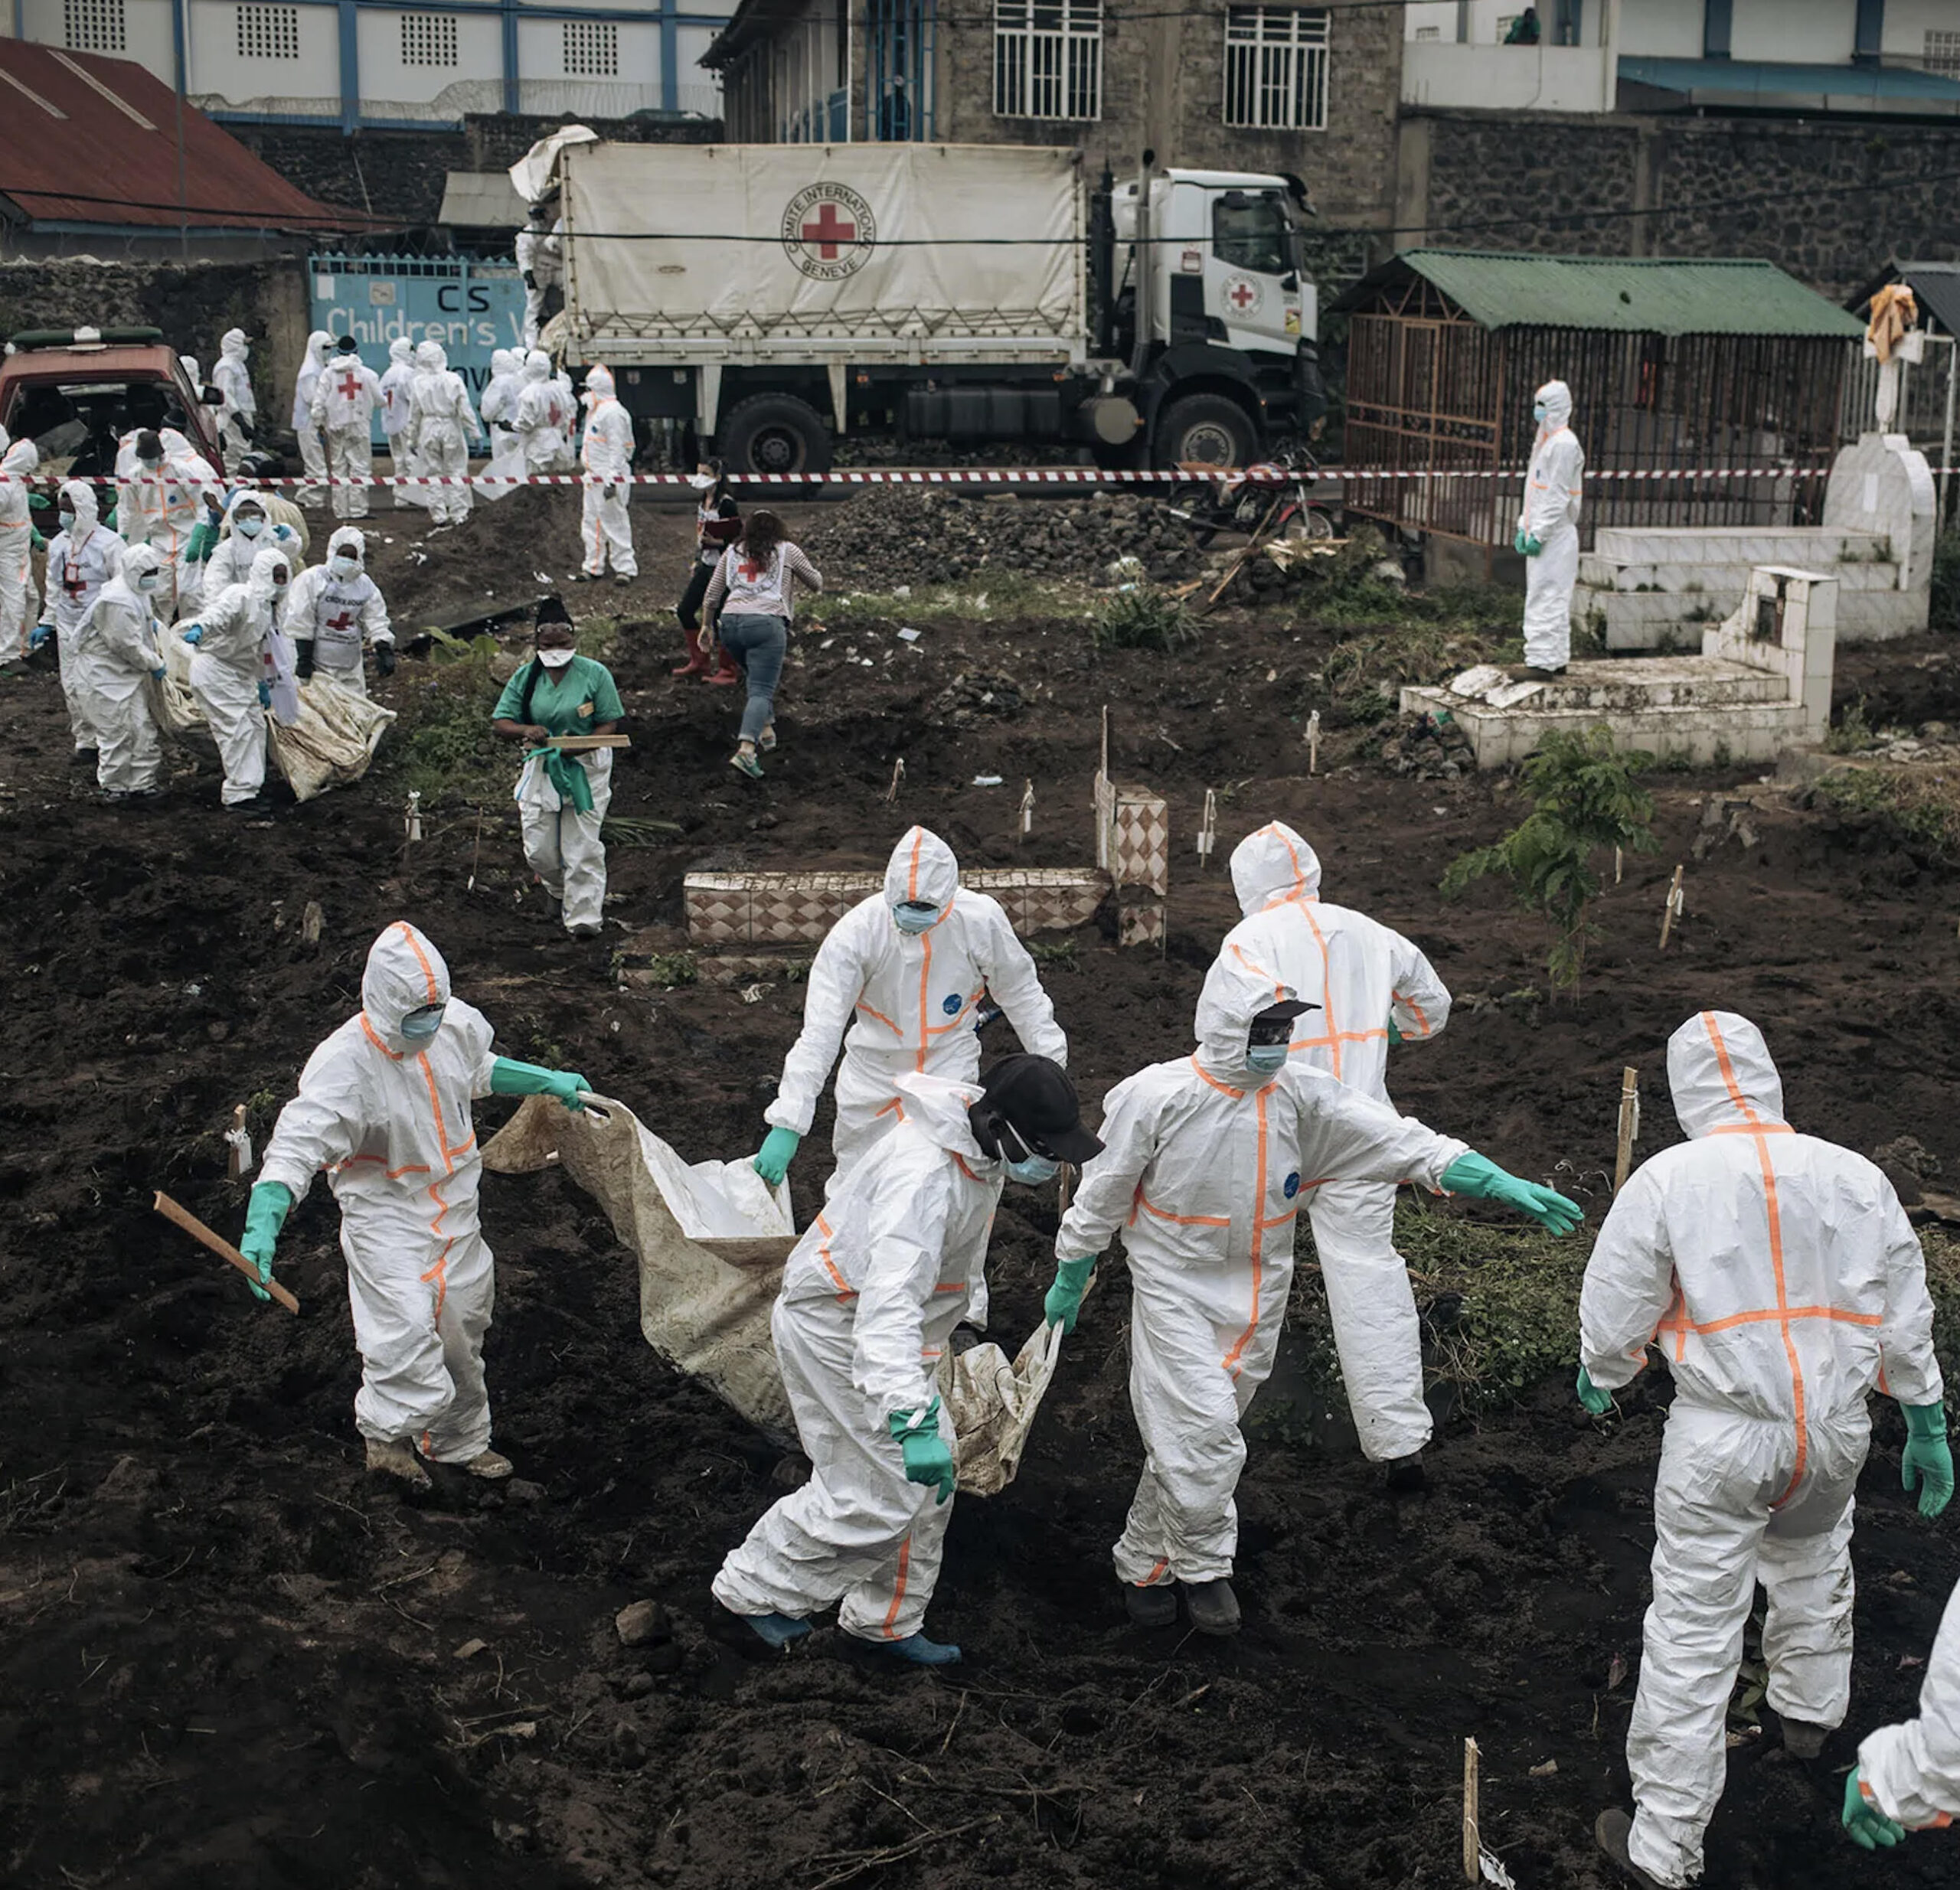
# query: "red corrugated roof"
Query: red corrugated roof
86,139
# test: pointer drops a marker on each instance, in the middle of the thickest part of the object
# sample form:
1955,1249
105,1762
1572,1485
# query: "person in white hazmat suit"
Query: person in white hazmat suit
905,971
869,1299
240,410
1907,1778
1208,1162
335,612
344,398
306,430
19,602
161,503
540,249
607,452
397,383
1372,988
441,424
82,557
499,404
239,658
384,1108
246,528
1779,1275
544,418
1548,532
117,663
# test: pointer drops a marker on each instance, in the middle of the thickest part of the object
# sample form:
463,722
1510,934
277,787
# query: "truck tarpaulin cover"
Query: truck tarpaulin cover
777,242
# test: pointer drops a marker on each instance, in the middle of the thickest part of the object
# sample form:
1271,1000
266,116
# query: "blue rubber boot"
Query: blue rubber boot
919,1651
777,1631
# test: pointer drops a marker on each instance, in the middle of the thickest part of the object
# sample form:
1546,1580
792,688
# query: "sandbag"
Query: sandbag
712,1240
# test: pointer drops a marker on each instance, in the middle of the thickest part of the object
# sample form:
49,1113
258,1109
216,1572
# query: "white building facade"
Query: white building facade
360,64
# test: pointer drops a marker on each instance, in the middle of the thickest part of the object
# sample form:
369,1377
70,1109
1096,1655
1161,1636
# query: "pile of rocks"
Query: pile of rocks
1425,748
885,538
973,697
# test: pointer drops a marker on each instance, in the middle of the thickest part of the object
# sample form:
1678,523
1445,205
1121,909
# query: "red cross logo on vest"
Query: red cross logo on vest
349,385
344,622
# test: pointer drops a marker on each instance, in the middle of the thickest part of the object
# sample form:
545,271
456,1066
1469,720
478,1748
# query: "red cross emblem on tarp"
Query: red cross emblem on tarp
828,230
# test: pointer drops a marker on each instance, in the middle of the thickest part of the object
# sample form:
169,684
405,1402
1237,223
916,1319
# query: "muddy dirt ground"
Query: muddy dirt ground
228,1662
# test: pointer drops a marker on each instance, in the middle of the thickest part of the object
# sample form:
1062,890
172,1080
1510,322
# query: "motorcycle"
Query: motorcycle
1286,500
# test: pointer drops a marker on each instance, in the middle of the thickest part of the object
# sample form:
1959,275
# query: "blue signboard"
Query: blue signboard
473,308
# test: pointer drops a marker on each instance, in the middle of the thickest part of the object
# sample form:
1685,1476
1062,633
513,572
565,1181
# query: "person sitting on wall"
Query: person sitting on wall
1524,29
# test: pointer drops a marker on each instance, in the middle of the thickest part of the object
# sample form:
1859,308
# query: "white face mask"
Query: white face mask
249,526
148,581
555,659
345,564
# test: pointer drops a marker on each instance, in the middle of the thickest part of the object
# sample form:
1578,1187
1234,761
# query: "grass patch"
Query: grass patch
982,598
1058,952
1923,807
441,744
1144,618
1851,732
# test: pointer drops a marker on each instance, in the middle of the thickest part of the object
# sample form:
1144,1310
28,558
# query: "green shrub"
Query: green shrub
1144,618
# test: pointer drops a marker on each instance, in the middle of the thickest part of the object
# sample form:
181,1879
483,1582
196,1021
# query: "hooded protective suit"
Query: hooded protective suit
1778,1273
499,404
544,418
397,384
607,455
344,398
163,509
1363,977
441,424
116,656
231,562
331,616
239,649
312,449
1912,1772
870,1299
20,604
1550,516
390,1122
81,559
233,379
1205,1167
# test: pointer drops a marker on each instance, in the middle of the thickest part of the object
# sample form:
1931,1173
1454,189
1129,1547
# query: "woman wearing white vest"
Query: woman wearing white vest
749,604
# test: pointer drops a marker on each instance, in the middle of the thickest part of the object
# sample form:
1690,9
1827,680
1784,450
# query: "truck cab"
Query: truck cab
74,393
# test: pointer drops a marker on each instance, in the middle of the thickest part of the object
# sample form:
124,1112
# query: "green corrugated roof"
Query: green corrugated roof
1637,295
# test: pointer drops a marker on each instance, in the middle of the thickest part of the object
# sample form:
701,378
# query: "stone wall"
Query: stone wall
399,174
1829,203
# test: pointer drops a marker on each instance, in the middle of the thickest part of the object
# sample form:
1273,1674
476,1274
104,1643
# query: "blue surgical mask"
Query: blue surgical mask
916,918
419,1025
250,526
67,521
345,564
1266,1059
1032,1171
1538,414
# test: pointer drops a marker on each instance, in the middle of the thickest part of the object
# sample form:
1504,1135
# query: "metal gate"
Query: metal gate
471,307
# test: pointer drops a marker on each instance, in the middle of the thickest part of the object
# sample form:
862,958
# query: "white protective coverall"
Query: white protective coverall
233,379
20,603
80,561
607,455
1779,1275
241,647
499,405
544,418
1912,1772
1205,1168
441,424
312,449
539,250
163,510
339,616
1550,514
230,561
870,1299
1363,976
397,382
116,655
344,398
390,1123
908,1000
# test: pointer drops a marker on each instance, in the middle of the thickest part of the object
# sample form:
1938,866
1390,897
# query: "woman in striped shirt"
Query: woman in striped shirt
749,604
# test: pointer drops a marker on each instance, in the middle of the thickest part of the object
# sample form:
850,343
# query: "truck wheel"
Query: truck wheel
775,432
1205,428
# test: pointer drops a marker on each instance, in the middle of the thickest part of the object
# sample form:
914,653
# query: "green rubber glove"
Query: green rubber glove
204,542
1517,543
1870,1830
928,1455
508,1078
778,1151
1483,1179
109,524
1532,546
265,1215
1595,1400
1927,1466
1064,1300
1394,1034
36,540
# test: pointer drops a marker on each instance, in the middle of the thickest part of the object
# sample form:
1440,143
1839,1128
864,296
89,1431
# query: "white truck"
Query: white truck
771,298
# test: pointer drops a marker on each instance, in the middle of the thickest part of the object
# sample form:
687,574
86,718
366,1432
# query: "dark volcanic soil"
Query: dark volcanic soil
228,1663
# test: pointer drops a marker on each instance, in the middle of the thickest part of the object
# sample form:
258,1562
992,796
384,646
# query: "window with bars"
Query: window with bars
1276,68
428,39
592,49
1942,53
1429,32
97,26
1048,59
268,32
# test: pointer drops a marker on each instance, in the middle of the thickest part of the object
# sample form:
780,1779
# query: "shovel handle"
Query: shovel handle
196,1228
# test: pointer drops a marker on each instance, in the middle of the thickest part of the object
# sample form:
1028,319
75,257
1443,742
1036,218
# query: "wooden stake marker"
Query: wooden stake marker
196,1228
1676,906
897,775
1207,832
240,1164
1472,1843
1629,1126
1026,808
1313,742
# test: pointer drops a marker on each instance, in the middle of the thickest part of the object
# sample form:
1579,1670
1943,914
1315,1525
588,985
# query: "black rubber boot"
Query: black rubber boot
1150,1608
1213,1607
1405,1474
1612,1829
1802,1739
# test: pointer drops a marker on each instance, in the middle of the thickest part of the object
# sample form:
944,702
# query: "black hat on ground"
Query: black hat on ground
1036,1098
